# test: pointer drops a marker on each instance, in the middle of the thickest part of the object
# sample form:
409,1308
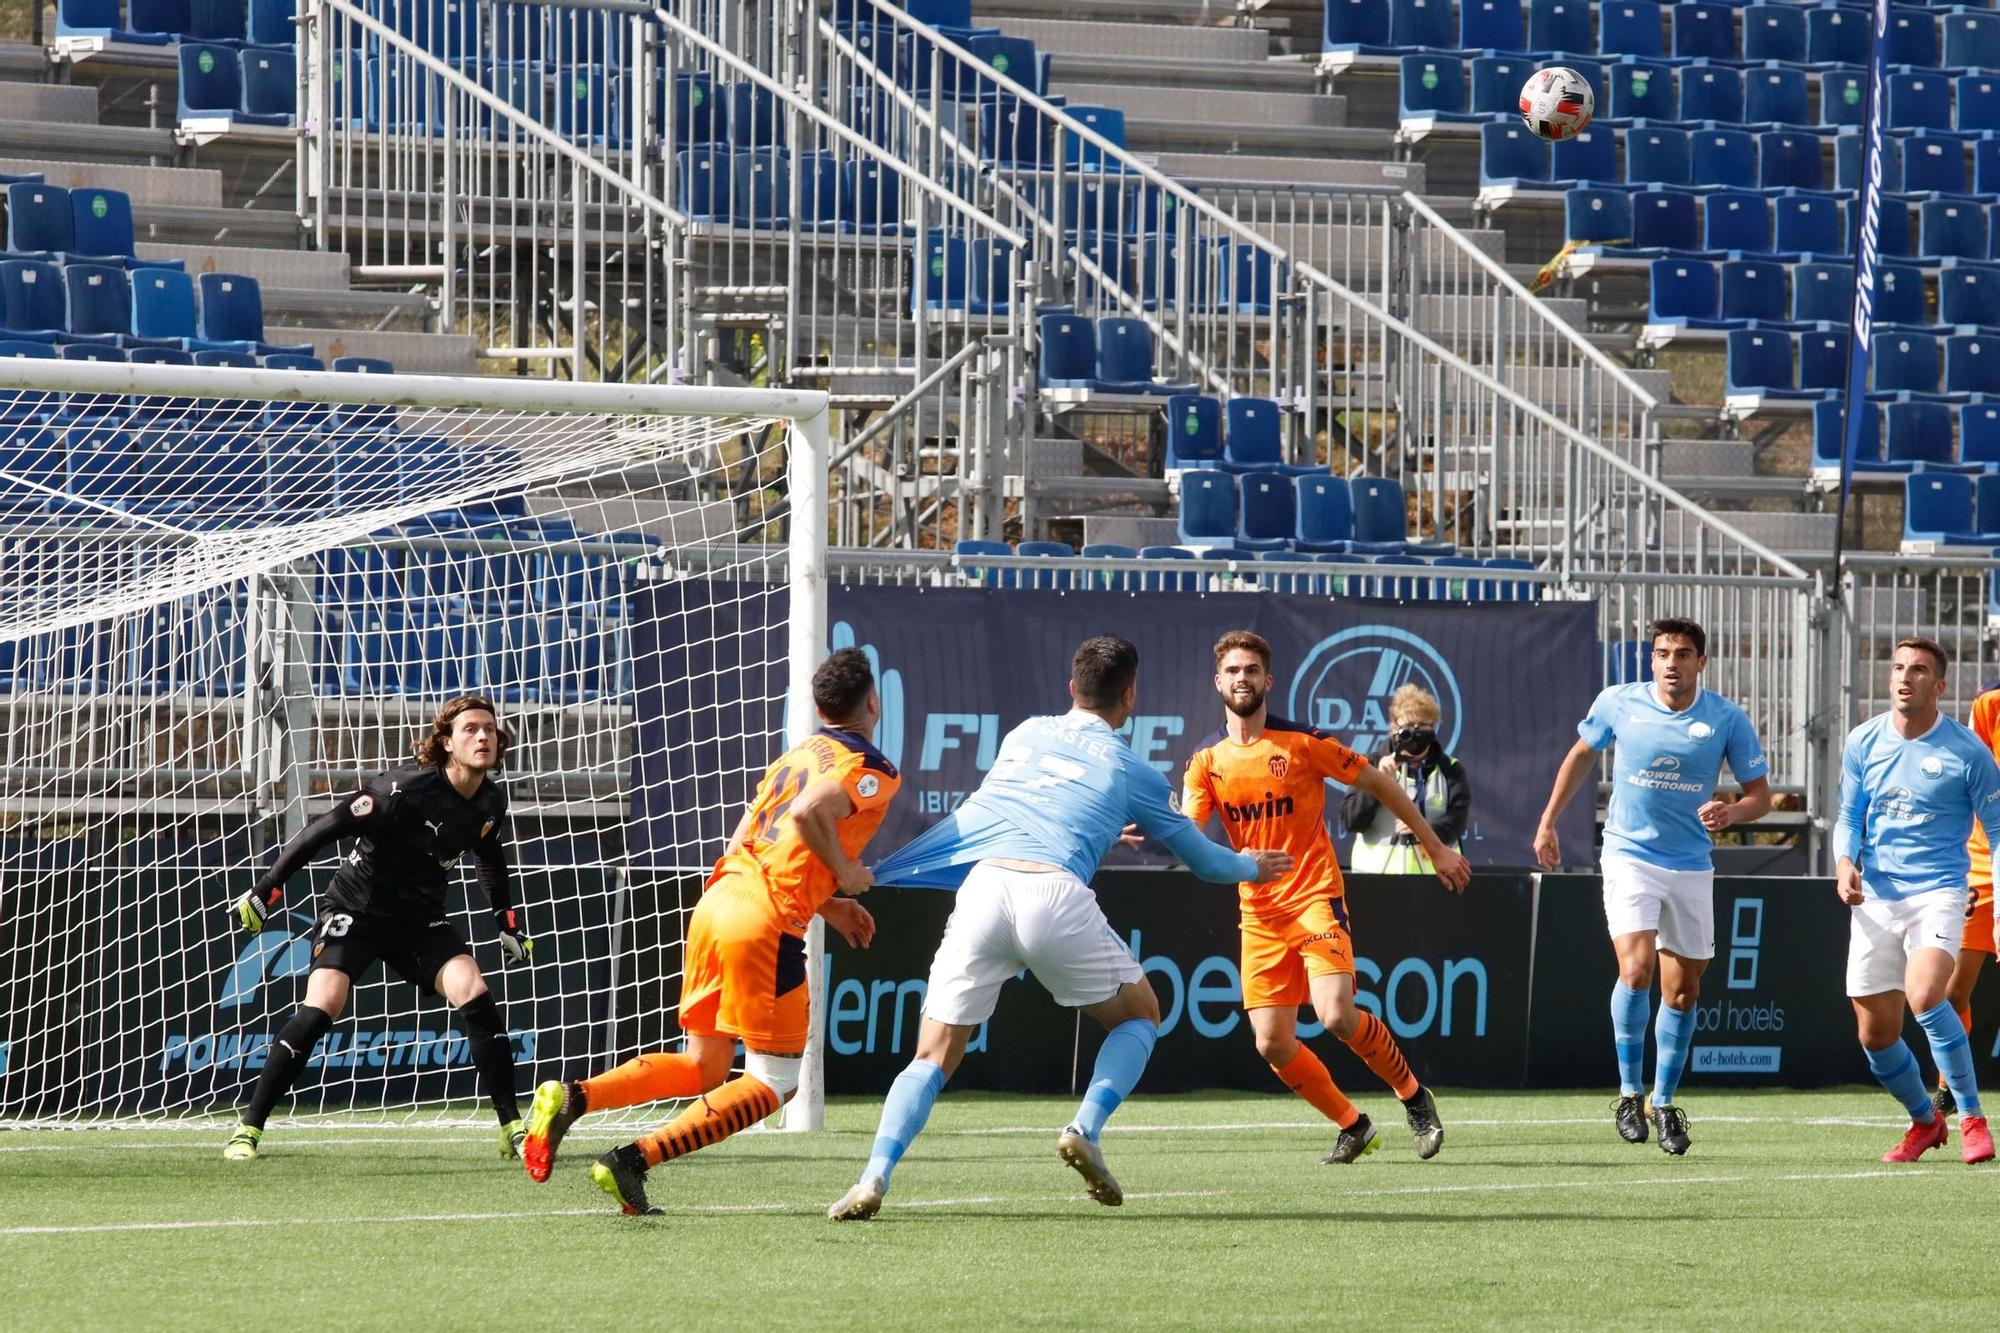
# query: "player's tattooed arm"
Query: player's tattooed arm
817,815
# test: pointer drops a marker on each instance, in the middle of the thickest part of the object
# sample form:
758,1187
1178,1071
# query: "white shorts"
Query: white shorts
1007,920
1680,904
1885,931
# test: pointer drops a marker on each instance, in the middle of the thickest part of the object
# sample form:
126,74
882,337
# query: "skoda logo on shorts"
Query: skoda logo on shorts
1932,766
1345,682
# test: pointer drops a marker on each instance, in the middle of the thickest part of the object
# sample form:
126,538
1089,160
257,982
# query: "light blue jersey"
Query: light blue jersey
1060,792
1666,769
1907,806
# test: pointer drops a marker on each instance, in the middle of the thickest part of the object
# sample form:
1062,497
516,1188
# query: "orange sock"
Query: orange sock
1965,1017
648,1078
1372,1042
1306,1075
730,1109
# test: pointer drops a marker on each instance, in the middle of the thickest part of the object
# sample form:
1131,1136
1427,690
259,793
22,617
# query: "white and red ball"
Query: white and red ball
1556,103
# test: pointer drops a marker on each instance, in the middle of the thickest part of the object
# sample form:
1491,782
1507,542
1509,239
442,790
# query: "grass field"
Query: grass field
1536,1214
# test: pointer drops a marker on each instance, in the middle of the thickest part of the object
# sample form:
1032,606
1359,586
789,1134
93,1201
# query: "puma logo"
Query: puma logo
436,829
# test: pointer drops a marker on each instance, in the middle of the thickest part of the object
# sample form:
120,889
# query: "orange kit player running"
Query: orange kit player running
791,856
1267,778
1981,941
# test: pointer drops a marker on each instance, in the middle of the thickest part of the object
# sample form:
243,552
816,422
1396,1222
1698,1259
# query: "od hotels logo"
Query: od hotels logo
1345,683
1727,1017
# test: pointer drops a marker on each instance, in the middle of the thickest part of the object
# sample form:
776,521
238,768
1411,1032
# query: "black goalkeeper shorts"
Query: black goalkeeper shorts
416,947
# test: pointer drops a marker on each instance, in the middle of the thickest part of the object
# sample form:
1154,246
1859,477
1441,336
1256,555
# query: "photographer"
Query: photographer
1436,782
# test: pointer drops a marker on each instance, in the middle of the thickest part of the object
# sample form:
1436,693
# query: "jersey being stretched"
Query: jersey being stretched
1060,792
772,849
1666,768
1985,725
1907,805
1272,793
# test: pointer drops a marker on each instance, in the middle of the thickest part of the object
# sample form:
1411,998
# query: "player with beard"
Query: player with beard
1267,778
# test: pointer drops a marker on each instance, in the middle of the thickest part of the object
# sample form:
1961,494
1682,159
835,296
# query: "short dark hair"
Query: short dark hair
1103,669
1679,627
1931,646
1248,640
841,684
430,749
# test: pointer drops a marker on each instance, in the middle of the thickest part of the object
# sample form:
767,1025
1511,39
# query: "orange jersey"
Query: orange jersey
1271,794
772,850
1985,716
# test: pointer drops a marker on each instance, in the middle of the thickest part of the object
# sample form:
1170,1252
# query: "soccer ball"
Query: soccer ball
1556,102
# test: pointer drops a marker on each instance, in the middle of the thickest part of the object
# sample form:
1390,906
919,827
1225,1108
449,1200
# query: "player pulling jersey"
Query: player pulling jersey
1979,940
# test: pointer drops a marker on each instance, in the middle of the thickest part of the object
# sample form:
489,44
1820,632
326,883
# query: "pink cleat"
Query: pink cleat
1920,1139
1974,1139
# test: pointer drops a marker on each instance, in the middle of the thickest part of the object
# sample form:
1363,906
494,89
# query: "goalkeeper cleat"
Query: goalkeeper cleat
1630,1113
1087,1160
1918,1140
512,1136
1974,1139
621,1173
1354,1143
1941,1101
242,1145
556,1107
1671,1124
1422,1112
860,1203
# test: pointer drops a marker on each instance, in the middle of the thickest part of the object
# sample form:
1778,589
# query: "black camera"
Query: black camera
1412,741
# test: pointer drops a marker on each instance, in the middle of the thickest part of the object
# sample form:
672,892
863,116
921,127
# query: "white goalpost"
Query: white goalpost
227,595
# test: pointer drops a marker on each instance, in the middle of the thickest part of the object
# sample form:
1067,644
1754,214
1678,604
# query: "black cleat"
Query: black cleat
621,1173
1422,1112
1941,1101
1630,1113
1671,1123
1356,1141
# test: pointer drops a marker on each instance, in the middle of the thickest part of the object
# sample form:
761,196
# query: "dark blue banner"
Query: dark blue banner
960,667
1868,209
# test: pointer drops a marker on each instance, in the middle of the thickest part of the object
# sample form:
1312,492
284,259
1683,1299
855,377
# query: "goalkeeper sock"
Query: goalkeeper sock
1378,1050
904,1112
1120,1061
730,1109
492,1053
285,1059
1953,1055
647,1078
1306,1074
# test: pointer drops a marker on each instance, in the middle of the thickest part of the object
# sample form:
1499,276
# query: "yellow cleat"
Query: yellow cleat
512,1135
242,1145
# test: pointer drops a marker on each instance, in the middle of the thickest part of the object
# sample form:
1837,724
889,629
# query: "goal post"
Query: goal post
229,593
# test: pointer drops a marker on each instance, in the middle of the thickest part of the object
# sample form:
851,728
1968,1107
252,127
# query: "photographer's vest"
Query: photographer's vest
1379,850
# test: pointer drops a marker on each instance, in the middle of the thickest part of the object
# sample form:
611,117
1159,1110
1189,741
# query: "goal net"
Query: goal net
227,595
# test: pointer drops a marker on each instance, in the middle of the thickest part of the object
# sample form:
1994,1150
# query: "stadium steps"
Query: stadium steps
48,102
300,270
1163,119
1259,169
186,187
24,62
414,353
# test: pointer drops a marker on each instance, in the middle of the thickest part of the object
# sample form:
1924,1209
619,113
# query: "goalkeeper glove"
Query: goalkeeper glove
515,945
253,908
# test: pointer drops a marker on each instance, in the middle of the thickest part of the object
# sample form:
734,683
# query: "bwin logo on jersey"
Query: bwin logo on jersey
254,965
1345,683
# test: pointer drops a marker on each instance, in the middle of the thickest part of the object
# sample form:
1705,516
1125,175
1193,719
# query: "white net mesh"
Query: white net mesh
220,609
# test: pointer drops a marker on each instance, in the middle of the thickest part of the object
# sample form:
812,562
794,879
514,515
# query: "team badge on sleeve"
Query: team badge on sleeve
486,829
363,806
868,786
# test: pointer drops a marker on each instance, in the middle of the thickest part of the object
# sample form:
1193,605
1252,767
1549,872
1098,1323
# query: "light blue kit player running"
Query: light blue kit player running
1911,783
1672,737
1020,852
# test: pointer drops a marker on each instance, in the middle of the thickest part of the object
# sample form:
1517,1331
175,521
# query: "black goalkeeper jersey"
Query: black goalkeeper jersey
410,826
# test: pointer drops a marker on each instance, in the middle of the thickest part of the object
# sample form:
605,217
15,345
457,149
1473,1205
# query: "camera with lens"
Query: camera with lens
1410,742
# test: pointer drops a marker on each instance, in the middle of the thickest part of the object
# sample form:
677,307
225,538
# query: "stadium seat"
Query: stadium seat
1963,293
1361,26
100,18
1292,573
1325,508
1491,25
1590,158
270,86
1776,97
1903,362
1512,158
1705,30
1971,39
1194,432
1657,156
1829,419
1899,296
40,224
1919,100
1685,294
1979,436
1978,100
218,21
1789,161
101,226
1068,352
98,300
211,83
1664,220
1738,222
1758,364
1840,94
1060,578
1808,223
1710,92
1560,27
1933,164
1972,363
1266,512
753,119
1822,292
1381,521
1631,28
1847,163
1913,37
232,311
1594,216
1427,24
1721,159
993,54
1836,36
1496,85
97,465
1108,122
707,180
1125,360
1639,90
1433,88
97,351
1823,361
271,24
761,196
1951,228
1208,509
1938,510
1775,32
1754,290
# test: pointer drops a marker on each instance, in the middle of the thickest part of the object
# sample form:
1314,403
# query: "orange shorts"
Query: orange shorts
744,974
1979,920
1279,956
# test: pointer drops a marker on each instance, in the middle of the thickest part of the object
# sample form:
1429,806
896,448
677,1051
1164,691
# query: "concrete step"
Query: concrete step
1711,459
1244,111
1251,168
418,353
129,145
1138,41
53,103
304,270
261,228
22,61
184,186
408,312
1449,317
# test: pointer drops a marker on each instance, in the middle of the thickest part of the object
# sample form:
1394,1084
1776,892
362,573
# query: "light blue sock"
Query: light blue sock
1953,1054
1628,1030
1896,1069
903,1114
1120,1061
1673,1031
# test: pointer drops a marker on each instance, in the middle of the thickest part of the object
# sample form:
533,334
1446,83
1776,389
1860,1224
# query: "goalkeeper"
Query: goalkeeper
410,826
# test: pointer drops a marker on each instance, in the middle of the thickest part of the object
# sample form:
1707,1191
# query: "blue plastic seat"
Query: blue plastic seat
1899,296
1840,95
1823,361
100,18
942,271
1972,363
1969,294
97,464
1560,26
1194,432
1919,100
1721,158
1913,37
1979,436
32,300
1847,163
270,86
1496,84
271,23
1735,220
163,305
1381,521
1986,165
1107,122
98,300
1595,216
1631,28
1664,220
1951,228
761,197
232,311
1759,363
1808,223
1754,290
1789,160
211,82
1971,39
706,180
1705,30
101,227
1067,351
1938,510
1125,359
218,21
1829,437
1208,509
1361,25
754,121
1012,135
1426,24
1978,100
1657,156
1266,512
1491,25
40,223
95,351
1775,96
1640,90
1512,157
1837,36
1933,164
994,54
1904,362
1060,578
1325,508
1685,293
1432,87
1589,158
1711,92
1775,32
1254,440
